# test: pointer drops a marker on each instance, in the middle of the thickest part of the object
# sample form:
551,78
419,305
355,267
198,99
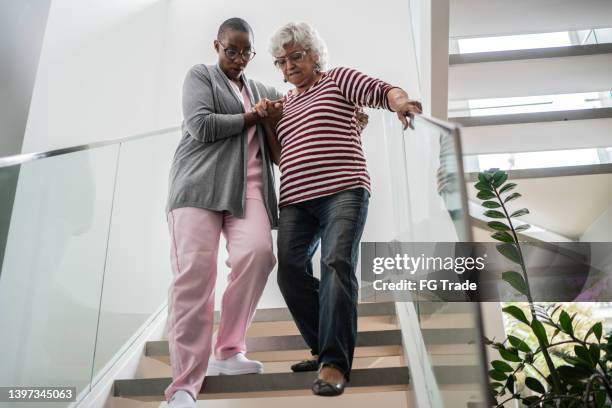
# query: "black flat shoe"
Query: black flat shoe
325,389
306,365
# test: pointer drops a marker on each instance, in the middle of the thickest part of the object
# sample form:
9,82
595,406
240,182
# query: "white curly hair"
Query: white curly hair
302,34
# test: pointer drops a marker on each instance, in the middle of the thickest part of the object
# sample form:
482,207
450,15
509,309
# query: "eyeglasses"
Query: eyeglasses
232,53
294,57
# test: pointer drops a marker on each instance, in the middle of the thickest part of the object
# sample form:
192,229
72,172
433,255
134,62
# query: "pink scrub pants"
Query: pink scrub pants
195,236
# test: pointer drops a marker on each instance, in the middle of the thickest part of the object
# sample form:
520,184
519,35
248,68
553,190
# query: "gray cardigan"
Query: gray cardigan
209,166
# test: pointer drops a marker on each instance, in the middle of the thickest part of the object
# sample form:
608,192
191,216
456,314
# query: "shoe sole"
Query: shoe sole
212,371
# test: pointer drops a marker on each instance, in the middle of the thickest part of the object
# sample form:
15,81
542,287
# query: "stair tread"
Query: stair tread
238,386
363,310
154,387
364,339
283,314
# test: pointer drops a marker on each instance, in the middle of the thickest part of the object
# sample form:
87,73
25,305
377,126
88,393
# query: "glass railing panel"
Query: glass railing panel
53,267
423,181
137,273
443,341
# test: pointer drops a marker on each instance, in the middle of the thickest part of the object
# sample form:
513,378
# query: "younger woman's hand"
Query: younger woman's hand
261,108
274,111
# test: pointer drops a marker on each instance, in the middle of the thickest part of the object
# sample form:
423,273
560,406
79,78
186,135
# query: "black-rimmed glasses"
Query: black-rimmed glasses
232,53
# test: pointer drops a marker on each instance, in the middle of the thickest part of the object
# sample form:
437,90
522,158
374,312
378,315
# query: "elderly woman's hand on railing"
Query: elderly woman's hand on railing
403,106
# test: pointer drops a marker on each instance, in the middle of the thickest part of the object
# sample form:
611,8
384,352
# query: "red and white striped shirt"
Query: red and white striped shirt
321,152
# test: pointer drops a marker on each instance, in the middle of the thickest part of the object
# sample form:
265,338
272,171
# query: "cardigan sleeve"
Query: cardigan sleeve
200,119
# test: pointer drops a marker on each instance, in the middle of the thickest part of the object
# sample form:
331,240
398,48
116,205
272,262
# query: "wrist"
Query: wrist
251,118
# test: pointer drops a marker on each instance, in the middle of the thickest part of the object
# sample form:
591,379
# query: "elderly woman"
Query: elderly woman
324,193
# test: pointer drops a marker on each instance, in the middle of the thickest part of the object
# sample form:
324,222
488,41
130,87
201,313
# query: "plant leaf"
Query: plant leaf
499,226
573,374
491,204
535,385
517,313
484,177
600,399
595,352
538,329
512,196
522,227
529,401
519,344
499,178
509,355
597,330
497,375
485,195
502,366
483,186
583,354
566,323
494,214
520,212
509,251
507,187
502,236
516,280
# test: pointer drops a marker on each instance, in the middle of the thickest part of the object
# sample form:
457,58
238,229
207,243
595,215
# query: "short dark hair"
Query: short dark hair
234,23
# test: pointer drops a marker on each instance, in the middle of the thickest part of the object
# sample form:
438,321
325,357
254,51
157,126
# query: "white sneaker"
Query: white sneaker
181,399
235,365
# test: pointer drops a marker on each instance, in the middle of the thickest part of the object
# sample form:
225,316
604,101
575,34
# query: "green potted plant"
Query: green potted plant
581,377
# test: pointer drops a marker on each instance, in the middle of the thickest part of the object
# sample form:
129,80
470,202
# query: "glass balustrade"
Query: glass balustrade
85,260
443,340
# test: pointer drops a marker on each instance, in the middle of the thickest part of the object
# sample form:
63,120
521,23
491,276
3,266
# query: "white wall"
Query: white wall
114,68
99,73
600,230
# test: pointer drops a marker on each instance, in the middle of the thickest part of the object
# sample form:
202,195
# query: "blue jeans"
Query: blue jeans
324,311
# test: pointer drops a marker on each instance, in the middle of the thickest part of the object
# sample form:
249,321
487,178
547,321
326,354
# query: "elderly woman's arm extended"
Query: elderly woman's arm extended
399,102
364,90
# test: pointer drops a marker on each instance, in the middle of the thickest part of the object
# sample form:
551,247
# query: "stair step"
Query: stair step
293,348
368,344
282,313
515,55
368,380
288,327
265,385
533,117
363,310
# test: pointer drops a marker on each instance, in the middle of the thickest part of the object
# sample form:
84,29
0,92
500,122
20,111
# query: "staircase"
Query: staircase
379,365
563,104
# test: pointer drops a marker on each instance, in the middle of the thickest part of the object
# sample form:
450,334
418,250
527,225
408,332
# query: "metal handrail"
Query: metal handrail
28,157
448,126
